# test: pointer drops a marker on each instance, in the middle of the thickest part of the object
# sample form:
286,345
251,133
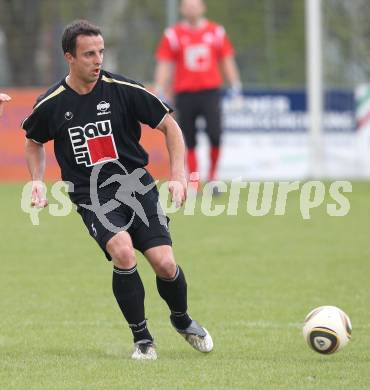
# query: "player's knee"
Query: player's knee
123,256
166,267
122,253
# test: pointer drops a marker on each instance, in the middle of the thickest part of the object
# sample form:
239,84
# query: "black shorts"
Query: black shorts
124,218
190,106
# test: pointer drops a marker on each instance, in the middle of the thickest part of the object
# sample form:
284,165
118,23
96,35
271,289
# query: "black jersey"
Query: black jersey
103,125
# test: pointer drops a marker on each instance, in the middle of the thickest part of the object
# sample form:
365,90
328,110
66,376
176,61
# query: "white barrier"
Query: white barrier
268,139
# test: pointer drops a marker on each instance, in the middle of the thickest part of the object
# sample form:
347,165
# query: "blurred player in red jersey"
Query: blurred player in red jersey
194,50
3,98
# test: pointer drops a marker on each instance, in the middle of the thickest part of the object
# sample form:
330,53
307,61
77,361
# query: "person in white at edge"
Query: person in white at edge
3,99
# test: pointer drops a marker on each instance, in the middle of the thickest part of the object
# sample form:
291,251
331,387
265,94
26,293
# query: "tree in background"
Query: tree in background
346,41
21,22
269,39
269,36
33,30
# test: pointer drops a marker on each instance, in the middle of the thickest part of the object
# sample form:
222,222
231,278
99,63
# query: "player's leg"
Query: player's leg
154,241
171,283
127,286
211,109
187,112
129,292
172,287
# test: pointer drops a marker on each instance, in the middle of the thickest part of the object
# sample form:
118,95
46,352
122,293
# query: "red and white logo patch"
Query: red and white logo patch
197,58
93,143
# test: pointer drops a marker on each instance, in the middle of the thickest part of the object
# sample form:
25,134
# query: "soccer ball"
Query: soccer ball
327,329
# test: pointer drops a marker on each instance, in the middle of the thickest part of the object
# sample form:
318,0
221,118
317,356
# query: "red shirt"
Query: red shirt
196,53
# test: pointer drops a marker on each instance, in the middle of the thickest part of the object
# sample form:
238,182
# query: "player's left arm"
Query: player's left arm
235,92
162,75
176,150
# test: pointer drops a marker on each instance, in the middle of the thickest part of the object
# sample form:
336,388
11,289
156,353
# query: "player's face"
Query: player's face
87,62
192,10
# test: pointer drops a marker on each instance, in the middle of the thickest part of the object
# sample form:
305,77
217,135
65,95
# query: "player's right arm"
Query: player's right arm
37,127
35,157
162,77
165,55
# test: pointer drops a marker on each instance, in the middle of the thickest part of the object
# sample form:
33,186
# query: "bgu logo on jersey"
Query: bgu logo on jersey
93,143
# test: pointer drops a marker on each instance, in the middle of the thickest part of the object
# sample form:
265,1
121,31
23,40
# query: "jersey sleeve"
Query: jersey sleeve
167,46
225,46
37,125
147,108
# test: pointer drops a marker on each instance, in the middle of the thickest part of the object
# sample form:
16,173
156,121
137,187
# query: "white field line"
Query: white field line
164,324
247,324
106,323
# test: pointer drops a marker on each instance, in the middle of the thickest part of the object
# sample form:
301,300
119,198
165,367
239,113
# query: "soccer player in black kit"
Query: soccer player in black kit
94,118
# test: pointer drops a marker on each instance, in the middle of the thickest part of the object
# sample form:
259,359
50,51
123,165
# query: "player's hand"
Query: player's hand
236,98
38,198
177,187
3,98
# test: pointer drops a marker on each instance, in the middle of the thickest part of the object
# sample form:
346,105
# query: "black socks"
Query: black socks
174,292
129,292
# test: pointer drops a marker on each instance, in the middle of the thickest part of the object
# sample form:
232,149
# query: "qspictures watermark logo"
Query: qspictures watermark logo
129,185
238,197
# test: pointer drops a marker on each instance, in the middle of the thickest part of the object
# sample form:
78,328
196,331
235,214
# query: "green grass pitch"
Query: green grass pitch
251,282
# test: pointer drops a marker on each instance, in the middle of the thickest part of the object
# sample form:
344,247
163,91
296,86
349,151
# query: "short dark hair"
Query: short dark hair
73,30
